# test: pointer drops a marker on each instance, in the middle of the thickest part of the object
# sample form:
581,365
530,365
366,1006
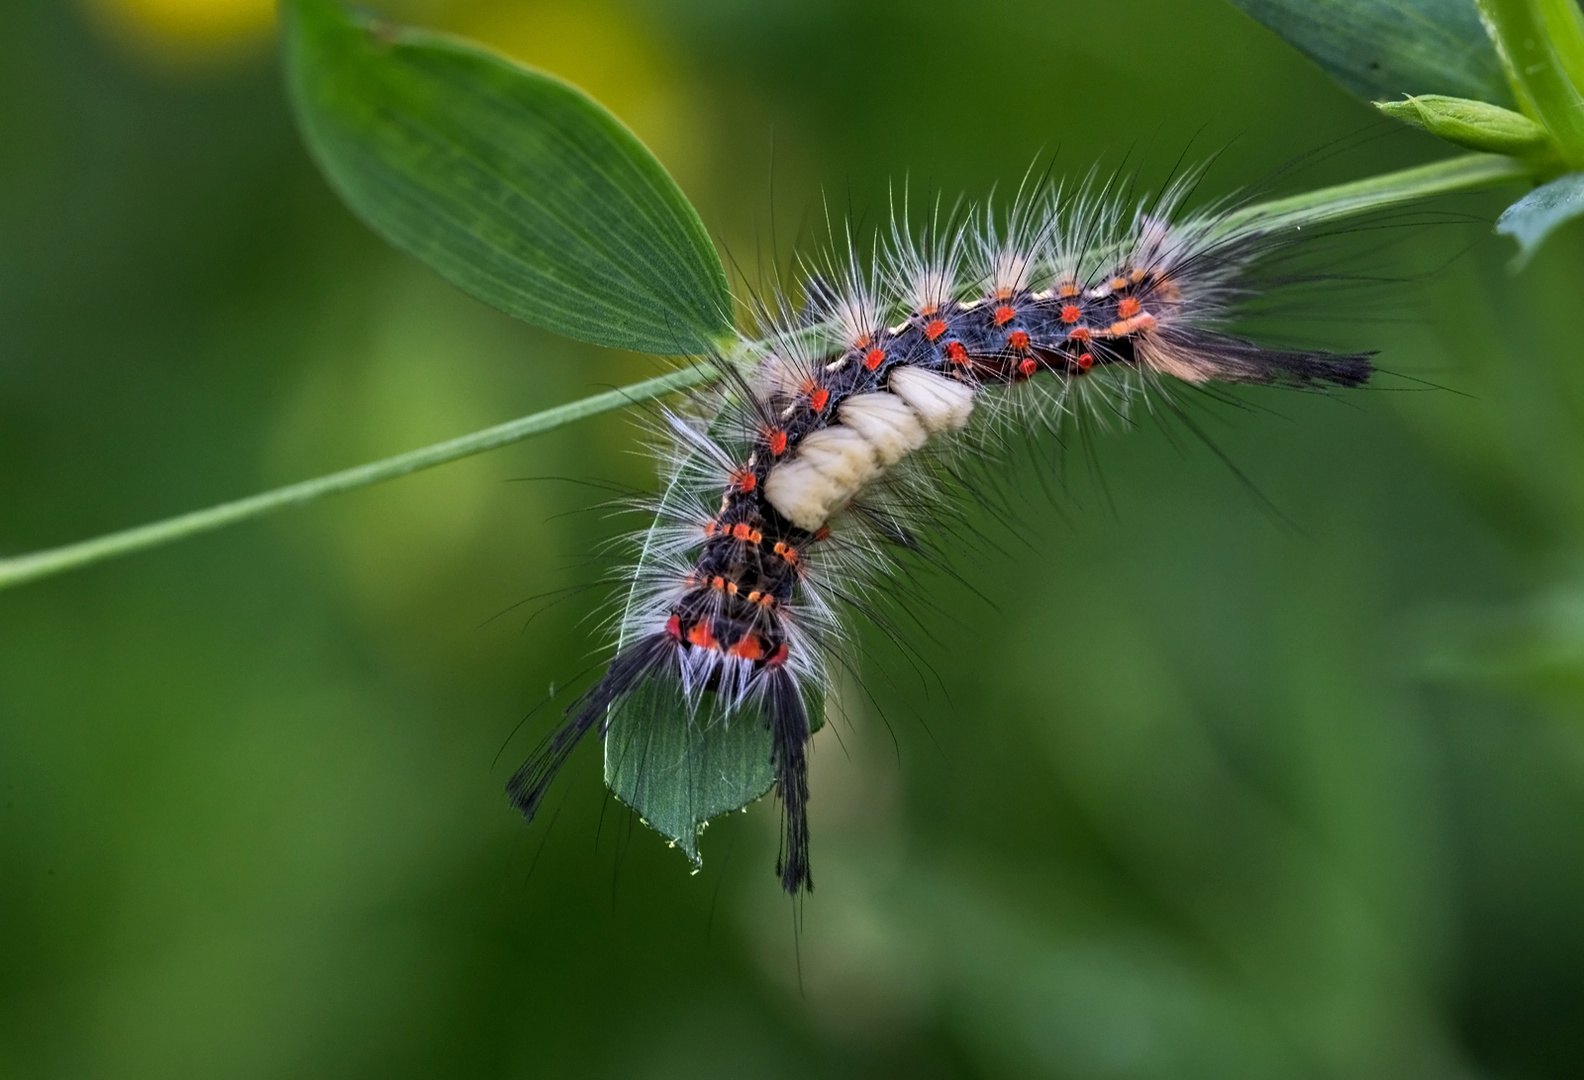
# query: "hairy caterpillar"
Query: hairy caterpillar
789,489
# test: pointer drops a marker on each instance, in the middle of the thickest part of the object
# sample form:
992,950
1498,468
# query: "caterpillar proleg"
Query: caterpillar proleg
788,489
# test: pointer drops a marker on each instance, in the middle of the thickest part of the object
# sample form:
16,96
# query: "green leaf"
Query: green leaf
679,770
1472,124
514,185
1532,218
1386,48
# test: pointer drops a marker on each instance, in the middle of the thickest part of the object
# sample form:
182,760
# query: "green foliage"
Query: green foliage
1532,218
1387,48
1476,125
1533,62
1460,64
514,185
678,776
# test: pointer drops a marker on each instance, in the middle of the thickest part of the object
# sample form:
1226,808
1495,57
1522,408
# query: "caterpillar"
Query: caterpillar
828,446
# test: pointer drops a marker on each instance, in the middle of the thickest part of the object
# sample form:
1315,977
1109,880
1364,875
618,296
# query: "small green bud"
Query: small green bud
1477,125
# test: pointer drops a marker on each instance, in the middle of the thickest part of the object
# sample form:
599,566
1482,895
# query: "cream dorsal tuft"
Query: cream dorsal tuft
874,432
942,404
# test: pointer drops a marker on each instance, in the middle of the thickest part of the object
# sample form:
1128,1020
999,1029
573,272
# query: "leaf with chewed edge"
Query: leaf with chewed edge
680,771
1383,49
517,187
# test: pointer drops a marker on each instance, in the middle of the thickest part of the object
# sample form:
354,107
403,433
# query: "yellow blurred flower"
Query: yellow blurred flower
186,33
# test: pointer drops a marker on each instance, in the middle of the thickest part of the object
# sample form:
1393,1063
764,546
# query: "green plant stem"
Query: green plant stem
1466,173
1470,172
1564,24
40,564
1522,34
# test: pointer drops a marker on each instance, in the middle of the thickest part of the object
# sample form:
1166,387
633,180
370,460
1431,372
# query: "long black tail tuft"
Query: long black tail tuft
632,665
789,727
1197,355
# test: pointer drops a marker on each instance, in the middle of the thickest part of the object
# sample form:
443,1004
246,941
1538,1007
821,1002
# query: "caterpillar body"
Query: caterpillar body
790,488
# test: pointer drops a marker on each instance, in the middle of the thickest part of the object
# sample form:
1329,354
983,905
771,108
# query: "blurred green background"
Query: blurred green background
1188,793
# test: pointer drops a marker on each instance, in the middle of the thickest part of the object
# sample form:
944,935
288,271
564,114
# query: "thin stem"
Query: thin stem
1471,172
25,568
1467,173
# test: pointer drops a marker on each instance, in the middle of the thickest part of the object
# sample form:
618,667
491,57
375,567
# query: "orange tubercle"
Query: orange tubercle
819,399
1071,313
874,358
1005,314
702,635
748,648
1142,321
1129,307
935,329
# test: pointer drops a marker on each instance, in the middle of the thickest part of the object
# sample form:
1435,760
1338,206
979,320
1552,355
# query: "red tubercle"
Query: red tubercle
956,352
818,399
1071,313
777,658
823,533
1080,333
1028,367
1018,339
1005,314
674,628
934,329
777,440
874,358
744,480
1085,361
